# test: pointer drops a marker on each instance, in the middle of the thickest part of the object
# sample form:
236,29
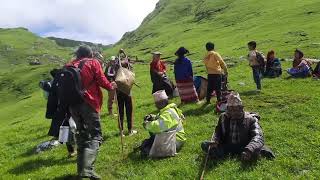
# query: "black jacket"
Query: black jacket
250,132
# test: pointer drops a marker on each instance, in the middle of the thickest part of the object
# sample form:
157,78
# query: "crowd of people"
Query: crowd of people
237,133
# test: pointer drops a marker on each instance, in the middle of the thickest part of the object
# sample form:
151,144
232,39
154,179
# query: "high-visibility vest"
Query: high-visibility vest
169,118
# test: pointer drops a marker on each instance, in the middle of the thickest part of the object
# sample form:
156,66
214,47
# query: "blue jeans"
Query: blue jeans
257,76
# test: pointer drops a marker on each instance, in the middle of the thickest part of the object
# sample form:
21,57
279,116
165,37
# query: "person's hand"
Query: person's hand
145,124
114,85
149,117
213,144
246,155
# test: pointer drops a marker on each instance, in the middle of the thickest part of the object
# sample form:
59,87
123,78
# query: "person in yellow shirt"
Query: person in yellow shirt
216,68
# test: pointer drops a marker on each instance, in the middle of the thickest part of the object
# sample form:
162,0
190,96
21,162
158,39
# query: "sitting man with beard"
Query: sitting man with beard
237,133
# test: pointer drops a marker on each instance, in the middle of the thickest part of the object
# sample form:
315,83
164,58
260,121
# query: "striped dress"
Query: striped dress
184,80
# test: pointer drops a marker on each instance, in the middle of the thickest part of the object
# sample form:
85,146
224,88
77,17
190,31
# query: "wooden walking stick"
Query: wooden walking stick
206,160
119,121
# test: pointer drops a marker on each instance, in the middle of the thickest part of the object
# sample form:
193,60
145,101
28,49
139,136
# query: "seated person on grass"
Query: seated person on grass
301,67
316,71
273,67
168,119
237,133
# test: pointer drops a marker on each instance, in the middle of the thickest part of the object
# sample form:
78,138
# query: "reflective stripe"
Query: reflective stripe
161,124
179,128
175,116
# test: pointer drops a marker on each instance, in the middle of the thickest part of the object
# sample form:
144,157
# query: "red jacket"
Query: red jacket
93,78
158,66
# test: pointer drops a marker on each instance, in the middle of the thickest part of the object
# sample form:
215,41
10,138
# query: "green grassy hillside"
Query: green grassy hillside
290,119
18,46
279,25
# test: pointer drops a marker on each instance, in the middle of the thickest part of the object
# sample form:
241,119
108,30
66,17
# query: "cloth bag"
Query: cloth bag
164,145
125,80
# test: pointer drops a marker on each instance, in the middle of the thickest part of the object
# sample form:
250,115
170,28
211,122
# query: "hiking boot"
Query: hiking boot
85,161
133,132
94,176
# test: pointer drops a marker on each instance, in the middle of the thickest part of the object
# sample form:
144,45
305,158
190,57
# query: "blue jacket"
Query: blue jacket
183,69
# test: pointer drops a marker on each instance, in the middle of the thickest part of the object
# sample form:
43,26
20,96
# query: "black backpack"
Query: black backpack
70,90
260,59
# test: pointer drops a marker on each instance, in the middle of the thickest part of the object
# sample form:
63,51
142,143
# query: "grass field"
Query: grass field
290,120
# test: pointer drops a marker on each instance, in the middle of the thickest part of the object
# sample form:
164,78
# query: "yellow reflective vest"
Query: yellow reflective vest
169,118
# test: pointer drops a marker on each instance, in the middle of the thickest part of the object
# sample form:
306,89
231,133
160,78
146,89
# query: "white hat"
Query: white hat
234,99
157,53
113,58
160,95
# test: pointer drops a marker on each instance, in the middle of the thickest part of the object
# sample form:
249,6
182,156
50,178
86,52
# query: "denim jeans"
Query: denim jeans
257,76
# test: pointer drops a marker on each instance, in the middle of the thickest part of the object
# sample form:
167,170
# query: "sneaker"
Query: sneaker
203,102
133,132
72,154
123,135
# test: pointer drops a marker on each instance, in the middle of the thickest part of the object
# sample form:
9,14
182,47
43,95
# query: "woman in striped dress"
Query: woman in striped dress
184,77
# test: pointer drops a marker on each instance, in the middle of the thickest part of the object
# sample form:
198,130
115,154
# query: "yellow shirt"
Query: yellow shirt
215,64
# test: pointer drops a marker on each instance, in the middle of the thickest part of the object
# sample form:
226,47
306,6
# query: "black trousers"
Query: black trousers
214,84
125,102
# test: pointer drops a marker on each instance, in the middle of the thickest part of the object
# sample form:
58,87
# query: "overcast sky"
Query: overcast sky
100,21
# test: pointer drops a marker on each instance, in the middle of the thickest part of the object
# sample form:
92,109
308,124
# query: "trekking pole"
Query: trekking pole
206,160
119,122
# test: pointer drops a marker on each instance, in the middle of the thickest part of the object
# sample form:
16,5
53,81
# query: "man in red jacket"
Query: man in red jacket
86,115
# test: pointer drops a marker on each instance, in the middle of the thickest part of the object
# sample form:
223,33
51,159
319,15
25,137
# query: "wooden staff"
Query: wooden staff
206,160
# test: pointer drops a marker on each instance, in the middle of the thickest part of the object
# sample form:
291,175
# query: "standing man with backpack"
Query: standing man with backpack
257,63
80,85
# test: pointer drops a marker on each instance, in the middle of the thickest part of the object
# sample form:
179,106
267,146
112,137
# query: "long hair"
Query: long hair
269,54
300,53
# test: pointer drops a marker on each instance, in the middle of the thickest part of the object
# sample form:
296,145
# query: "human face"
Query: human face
235,112
162,104
156,57
272,56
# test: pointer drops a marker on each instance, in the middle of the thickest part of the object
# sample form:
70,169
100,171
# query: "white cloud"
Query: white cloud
102,21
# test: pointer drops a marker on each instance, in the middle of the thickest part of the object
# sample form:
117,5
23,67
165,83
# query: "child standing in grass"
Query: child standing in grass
254,56
216,67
